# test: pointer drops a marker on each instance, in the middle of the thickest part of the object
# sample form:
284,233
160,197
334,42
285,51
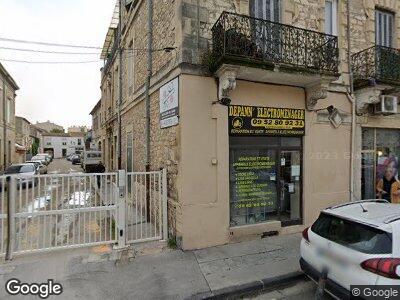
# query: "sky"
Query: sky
61,93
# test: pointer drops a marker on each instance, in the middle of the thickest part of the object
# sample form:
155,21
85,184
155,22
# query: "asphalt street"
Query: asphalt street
62,166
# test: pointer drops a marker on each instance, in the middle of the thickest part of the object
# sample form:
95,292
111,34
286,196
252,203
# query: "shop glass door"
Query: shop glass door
289,187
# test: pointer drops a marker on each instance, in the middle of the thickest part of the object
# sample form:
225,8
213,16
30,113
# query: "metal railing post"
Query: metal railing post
121,205
11,191
165,204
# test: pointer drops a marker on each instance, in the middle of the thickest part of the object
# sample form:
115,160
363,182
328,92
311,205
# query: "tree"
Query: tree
55,130
35,147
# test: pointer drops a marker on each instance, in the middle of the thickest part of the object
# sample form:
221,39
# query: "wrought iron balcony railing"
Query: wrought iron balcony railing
243,39
110,57
378,63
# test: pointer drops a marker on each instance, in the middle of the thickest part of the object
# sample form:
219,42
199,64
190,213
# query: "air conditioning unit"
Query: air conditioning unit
386,106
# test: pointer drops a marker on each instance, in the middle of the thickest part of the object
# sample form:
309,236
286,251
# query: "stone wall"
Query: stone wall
10,127
198,17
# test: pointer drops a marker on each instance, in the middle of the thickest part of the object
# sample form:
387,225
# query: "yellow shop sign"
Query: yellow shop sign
251,120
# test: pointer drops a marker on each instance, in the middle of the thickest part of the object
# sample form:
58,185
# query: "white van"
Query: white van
91,160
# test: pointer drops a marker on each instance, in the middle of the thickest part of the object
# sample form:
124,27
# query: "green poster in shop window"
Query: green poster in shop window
254,181
247,120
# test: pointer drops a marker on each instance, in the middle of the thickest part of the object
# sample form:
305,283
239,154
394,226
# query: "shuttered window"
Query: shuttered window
384,28
265,9
331,17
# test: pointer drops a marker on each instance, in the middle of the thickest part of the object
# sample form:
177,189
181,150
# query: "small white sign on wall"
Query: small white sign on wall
169,104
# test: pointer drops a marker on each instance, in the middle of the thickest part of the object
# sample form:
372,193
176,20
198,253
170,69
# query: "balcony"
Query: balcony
245,40
263,51
110,58
376,65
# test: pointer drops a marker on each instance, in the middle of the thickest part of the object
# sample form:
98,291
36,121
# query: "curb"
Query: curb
251,287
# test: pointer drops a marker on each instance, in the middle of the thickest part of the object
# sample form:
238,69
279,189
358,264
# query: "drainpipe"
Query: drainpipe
352,100
4,126
119,153
149,74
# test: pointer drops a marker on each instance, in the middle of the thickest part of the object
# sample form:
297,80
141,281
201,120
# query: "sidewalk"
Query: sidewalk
169,274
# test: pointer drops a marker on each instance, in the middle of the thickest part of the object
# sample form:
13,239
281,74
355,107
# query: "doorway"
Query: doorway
265,180
290,186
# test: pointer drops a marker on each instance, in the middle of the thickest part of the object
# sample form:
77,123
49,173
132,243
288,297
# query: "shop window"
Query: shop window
368,139
379,162
265,180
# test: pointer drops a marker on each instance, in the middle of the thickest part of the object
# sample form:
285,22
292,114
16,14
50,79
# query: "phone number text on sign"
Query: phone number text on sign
277,124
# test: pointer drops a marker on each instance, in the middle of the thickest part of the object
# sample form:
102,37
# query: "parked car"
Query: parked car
42,158
25,173
69,156
49,156
91,161
355,243
41,167
76,159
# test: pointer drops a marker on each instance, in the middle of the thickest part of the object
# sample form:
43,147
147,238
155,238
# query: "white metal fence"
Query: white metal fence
46,212
3,216
144,206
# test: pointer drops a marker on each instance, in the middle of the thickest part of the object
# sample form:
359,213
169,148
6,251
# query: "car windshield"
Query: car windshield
353,235
20,169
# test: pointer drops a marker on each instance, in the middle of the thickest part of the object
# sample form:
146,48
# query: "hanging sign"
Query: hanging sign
169,104
247,120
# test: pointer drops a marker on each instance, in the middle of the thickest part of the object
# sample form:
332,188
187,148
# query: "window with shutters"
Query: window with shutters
130,66
384,28
331,17
266,9
267,36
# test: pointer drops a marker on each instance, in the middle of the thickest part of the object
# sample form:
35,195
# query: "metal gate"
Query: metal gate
146,206
48,212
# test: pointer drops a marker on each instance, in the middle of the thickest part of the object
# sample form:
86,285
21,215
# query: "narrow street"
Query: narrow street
63,166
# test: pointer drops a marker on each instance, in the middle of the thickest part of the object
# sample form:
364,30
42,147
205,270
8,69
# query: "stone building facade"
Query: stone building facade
8,88
77,129
60,145
22,128
241,53
49,126
96,134
23,137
